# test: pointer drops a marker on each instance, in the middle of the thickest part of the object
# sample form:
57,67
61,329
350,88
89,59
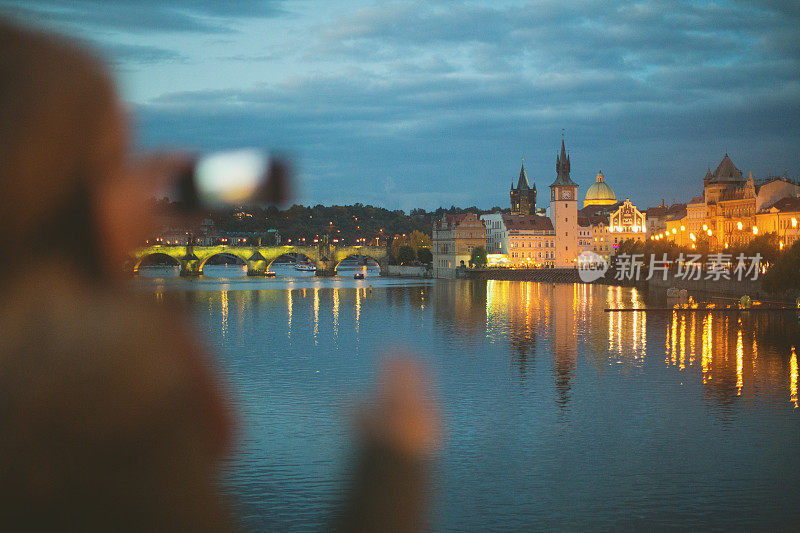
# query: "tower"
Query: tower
523,198
564,213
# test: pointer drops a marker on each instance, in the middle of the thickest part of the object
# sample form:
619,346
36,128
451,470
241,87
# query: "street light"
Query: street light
755,230
691,236
739,225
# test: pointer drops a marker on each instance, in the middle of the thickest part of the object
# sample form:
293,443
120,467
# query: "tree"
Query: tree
784,274
425,256
478,257
406,254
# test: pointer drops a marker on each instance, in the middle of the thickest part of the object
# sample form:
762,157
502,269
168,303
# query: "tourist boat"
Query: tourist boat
305,267
270,274
358,275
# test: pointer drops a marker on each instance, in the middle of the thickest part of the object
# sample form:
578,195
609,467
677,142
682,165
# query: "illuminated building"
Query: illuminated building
599,193
612,224
454,239
733,209
564,213
525,240
523,198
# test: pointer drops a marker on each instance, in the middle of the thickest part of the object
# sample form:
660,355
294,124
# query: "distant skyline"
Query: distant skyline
434,103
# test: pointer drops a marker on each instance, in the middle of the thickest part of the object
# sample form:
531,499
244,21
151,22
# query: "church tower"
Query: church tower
523,198
564,213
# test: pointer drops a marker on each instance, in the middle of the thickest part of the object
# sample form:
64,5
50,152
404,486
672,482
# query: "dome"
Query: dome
599,193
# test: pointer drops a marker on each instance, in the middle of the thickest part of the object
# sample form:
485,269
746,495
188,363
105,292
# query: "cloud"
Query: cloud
144,16
440,99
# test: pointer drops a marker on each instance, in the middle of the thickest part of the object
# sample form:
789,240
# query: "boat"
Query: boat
269,274
305,267
358,275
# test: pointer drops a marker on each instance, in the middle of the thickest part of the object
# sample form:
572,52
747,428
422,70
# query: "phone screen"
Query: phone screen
231,178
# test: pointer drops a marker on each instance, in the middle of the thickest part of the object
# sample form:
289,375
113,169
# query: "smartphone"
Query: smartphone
233,178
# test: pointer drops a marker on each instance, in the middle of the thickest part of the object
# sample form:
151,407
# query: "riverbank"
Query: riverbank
404,271
544,275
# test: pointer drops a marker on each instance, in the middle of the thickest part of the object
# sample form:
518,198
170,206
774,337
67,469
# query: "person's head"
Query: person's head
65,192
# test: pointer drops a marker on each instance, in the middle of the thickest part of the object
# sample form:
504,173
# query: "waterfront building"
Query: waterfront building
564,213
523,198
526,241
612,224
599,193
454,239
733,209
657,217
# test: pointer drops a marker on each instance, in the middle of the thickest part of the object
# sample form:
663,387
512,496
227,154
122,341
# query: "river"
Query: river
557,415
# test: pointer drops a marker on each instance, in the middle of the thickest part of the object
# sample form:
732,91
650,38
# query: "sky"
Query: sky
406,104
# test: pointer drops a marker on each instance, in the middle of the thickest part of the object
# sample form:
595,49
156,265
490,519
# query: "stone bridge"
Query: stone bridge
258,259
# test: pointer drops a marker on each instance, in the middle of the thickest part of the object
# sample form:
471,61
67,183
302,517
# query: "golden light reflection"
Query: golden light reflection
674,337
793,379
358,309
692,337
289,306
335,312
683,342
708,358
316,313
739,359
224,300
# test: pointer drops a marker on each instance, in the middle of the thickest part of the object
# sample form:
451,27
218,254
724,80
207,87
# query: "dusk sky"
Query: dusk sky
423,104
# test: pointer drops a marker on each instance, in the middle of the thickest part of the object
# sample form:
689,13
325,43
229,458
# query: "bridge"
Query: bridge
325,257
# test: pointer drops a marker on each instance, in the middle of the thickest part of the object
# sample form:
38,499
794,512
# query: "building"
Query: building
523,198
599,193
564,213
612,224
733,209
526,241
657,216
454,239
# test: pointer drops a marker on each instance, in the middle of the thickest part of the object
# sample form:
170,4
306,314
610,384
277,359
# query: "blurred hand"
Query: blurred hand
402,414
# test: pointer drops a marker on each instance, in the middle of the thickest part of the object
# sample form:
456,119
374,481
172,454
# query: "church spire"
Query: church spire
523,183
562,167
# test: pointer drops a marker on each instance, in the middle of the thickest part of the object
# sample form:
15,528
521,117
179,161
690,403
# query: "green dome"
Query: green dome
599,193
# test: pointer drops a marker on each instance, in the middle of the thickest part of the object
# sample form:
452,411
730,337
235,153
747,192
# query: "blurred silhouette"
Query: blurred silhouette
112,417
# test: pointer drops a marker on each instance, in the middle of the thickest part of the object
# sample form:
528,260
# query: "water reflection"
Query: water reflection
559,320
545,395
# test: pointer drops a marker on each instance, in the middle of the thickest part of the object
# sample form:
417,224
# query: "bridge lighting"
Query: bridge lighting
755,230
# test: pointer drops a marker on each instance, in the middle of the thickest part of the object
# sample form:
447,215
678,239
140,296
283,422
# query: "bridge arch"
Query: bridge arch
239,253
365,257
144,259
294,256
